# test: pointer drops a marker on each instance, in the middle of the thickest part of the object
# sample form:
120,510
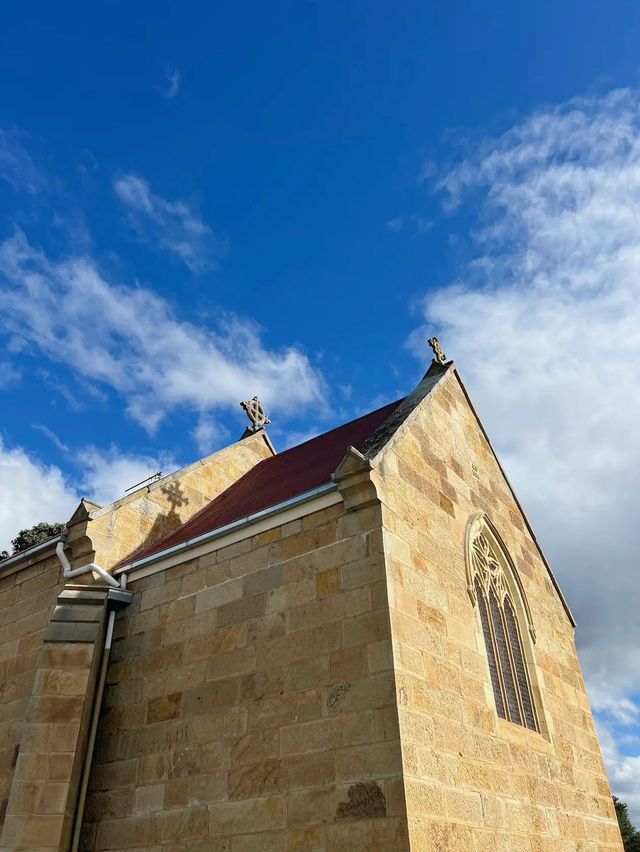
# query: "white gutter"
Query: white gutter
29,552
68,571
227,528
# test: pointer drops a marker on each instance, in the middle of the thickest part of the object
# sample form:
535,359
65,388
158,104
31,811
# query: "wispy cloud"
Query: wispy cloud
107,473
8,374
209,435
137,346
76,402
51,435
413,223
17,167
173,84
545,324
173,226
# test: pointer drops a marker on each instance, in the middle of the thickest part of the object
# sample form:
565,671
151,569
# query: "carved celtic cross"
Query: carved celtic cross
434,343
255,413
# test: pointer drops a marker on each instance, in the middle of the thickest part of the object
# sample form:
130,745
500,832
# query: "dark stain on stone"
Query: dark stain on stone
14,756
366,800
336,694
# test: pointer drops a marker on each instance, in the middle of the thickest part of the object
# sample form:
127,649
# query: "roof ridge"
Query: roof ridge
341,426
275,479
376,442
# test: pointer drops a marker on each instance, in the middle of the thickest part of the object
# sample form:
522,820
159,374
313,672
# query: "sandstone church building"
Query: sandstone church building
355,645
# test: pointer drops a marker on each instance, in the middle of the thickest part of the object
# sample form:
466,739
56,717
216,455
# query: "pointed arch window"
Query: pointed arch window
495,589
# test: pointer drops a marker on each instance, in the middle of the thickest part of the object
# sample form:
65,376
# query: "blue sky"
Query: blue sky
201,202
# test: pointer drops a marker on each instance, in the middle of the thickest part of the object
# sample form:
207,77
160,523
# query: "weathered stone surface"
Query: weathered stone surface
366,800
320,686
251,678
47,765
473,781
164,707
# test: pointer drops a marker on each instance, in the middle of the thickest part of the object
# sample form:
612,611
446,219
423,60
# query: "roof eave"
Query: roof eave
219,532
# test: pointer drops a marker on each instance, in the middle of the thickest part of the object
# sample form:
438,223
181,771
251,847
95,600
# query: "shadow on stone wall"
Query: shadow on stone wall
167,521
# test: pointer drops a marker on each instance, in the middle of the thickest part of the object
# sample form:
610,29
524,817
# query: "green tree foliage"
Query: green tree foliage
33,535
630,837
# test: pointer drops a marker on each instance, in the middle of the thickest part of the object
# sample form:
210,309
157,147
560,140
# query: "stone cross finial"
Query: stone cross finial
440,358
255,413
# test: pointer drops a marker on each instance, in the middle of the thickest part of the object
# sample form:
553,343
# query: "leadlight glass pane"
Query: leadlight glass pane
521,673
505,662
488,641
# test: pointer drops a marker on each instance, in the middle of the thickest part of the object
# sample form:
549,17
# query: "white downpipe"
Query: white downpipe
112,614
97,700
68,571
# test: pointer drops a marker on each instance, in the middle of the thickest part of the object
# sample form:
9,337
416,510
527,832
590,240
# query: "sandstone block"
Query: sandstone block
164,707
364,629
178,825
348,665
253,780
464,807
260,842
327,583
361,573
218,595
374,760
262,579
306,807
265,814
240,661
303,542
241,610
311,770
208,787
306,674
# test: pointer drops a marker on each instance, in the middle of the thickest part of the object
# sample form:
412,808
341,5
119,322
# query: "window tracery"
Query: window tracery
494,588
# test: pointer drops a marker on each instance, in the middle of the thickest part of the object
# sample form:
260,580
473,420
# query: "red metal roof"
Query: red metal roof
276,479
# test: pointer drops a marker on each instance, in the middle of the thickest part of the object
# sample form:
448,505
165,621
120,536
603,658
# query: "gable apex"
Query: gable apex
387,432
394,427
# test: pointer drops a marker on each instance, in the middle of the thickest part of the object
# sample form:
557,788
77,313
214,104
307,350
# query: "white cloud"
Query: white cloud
51,435
545,325
173,79
173,225
41,492
209,435
107,474
38,492
129,339
8,374
414,222
17,167
623,771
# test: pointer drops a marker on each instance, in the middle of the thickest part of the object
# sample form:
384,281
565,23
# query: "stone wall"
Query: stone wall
108,535
28,591
474,781
323,686
250,704
26,599
43,802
